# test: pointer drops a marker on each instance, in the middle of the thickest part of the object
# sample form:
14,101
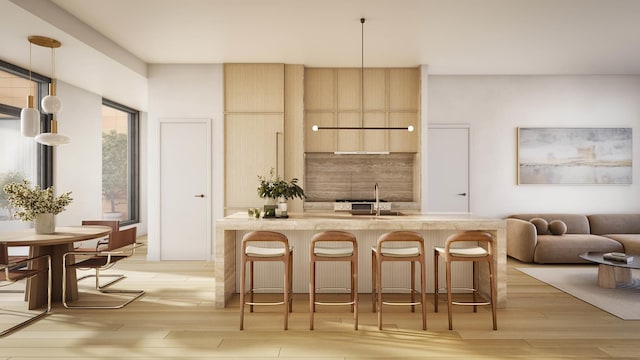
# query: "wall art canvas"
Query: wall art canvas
574,156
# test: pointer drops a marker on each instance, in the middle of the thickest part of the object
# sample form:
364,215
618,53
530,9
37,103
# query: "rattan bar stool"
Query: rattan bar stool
476,254
413,254
326,252
251,254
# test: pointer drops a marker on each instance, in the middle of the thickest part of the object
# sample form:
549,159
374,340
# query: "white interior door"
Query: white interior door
448,170
185,204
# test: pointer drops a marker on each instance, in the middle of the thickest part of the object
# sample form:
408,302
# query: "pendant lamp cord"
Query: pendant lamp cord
362,74
53,62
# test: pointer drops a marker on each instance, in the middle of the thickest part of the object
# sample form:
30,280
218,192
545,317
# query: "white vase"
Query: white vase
45,223
282,206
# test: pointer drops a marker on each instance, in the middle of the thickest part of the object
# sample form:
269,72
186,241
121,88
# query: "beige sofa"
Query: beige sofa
597,232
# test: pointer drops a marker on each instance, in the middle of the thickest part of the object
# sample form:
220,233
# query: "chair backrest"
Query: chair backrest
401,236
113,224
266,236
4,255
122,238
118,238
471,236
333,236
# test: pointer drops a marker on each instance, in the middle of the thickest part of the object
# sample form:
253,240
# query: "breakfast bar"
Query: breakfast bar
299,228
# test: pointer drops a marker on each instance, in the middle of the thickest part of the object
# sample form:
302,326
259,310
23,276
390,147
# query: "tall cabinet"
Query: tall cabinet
254,130
260,102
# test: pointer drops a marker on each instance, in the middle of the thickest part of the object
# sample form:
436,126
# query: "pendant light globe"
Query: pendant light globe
51,104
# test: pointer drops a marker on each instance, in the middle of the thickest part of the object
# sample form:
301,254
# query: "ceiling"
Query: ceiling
107,43
451,36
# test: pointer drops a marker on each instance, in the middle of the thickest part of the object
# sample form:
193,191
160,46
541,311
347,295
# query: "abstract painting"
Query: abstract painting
574,156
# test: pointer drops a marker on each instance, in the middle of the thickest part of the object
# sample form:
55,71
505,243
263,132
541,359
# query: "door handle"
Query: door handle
199,195
462,194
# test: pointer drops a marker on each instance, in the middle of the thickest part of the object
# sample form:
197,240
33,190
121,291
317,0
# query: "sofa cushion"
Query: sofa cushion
558,227
567,248
602,224
631,242
576,223
542,226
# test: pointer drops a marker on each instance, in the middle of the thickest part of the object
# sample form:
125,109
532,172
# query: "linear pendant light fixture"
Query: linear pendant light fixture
361,127
51,104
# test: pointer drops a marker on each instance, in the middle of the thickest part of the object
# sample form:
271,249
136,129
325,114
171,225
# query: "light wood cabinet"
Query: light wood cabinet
254,130
334,97
253,88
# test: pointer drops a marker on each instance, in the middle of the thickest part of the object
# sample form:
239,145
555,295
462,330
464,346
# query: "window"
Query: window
119,162
20,157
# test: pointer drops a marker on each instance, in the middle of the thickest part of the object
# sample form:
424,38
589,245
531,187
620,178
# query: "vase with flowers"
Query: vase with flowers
275,189
36,204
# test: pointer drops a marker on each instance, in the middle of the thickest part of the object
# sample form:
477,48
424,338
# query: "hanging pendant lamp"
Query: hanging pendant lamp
30,116
362,127
51,103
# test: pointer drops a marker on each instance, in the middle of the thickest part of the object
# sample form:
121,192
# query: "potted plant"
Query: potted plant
36,204
277,189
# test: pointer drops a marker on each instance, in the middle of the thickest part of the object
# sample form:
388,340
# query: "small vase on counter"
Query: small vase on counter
45,223
282,206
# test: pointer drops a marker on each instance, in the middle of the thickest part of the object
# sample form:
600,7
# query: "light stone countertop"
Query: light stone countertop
346,221
435,228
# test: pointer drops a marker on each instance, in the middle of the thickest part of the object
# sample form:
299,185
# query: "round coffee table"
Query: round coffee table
612,272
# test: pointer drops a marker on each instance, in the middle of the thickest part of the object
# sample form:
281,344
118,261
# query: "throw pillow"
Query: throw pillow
557,227
542,227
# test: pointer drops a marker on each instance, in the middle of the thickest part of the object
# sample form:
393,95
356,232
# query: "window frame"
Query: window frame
133,147
45,153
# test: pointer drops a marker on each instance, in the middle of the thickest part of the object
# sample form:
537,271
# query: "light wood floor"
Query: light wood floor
177,319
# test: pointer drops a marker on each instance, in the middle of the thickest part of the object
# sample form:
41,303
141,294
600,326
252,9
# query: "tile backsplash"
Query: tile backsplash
329,176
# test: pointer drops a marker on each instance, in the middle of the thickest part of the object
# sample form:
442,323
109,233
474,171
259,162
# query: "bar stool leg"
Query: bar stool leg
286,292
475,285
413,285
354,292
449,297
492,283
423,294
242,276
290,281
312,293
379,290
374,292
251,285
436,295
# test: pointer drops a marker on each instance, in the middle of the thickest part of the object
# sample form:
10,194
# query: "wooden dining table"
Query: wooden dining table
55,245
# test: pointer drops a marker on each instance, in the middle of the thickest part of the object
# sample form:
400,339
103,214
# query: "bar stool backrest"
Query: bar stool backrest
400,236
478,237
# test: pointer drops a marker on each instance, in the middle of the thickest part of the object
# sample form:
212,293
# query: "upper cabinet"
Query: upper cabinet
333,97
253,88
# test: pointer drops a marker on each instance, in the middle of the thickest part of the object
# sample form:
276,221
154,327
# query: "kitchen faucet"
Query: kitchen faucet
377,195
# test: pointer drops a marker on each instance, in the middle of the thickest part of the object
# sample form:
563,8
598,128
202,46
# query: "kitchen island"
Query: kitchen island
299,228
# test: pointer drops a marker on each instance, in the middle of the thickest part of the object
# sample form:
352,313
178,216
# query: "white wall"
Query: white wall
78,165
495,106
184,91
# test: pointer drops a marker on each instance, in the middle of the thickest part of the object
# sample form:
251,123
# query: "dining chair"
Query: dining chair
17,268
120,245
